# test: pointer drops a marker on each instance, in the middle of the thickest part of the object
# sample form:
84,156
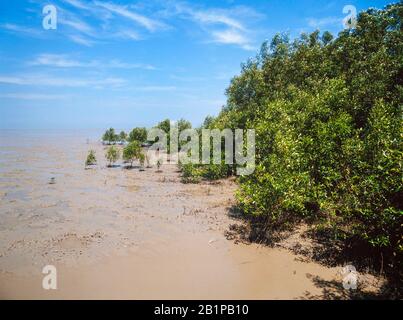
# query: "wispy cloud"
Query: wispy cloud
123,65
148,23
60,61
92,22
78,25
90,9
231,36
82,40
21,29
324,22
213,17
126,34
50,81
155,88
33,96
107,22
65,61
78,4
221,24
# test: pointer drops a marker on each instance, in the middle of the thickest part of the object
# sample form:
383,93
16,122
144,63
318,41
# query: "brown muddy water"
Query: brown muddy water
126,234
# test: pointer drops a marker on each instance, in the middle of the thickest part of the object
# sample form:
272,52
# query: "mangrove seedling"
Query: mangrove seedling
132,152
91,159
142,159
112,155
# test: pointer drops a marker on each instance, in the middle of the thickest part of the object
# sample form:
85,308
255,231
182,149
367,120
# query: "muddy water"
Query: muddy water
119,233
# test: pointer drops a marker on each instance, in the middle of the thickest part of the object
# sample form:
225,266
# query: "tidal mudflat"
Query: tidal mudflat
128,234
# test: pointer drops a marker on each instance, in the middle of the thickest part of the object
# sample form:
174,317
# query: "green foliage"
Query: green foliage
132,152
112,155
110,136
183,125
91,159
138,134
122,136
165,125
142,159
190,173
208,121
328,120
214,171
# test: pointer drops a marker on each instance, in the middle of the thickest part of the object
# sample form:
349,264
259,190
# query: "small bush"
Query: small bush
132,152
112,155
190,173
214,171
91,159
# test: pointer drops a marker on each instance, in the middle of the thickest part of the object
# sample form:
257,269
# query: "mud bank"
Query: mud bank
127,234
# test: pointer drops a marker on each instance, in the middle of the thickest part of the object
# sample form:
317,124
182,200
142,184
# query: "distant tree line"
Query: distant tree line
134,141
110,137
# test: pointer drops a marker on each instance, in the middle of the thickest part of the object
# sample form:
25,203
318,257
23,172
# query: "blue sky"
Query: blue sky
133,63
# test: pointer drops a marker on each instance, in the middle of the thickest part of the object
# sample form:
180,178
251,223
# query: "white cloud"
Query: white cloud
211,17
81,40
149,24
33,96
230,26
21,29
49,81
78,25
61,61
323,22
126,34
93,10
156,88
103,13
78,4
229,37
64,61
123,65
220,24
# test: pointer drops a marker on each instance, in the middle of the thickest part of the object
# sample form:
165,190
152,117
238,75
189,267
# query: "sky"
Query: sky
133,63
